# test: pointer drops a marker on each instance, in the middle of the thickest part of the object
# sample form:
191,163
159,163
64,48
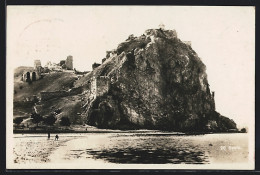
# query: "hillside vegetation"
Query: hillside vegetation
50,82
24,100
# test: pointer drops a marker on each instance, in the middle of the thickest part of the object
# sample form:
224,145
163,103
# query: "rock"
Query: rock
154,81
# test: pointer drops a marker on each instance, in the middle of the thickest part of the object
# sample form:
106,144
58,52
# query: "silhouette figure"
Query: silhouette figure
49,135
56,137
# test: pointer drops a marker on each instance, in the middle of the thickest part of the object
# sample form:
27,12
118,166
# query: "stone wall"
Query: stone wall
31,76
23,104
93,87
50,95
37,63
99,85
56,94
75,91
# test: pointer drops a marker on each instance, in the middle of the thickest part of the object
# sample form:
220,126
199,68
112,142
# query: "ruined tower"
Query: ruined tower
37,63
69,62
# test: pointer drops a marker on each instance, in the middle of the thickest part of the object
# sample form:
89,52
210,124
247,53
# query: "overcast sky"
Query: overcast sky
223,37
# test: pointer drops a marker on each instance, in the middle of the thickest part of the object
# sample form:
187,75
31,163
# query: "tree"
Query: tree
65,121
50,120
18,120
243,130
36,118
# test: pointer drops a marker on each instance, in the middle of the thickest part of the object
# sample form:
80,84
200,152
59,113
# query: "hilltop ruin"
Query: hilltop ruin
154,81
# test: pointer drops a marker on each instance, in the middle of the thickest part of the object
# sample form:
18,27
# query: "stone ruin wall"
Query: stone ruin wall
99,85
37,63
93,87
37,75
56,94
69,63
50,95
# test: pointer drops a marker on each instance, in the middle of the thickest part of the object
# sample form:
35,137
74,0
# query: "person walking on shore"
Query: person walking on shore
49,135
57,137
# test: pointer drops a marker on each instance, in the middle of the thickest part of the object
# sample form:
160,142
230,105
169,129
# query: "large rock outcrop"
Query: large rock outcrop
154,81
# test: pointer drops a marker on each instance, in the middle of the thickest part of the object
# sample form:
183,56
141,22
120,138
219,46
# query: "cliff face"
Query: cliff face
154,81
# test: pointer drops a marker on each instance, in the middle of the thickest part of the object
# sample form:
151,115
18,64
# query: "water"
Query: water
132,148
154,149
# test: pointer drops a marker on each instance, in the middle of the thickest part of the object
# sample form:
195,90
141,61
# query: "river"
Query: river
128,150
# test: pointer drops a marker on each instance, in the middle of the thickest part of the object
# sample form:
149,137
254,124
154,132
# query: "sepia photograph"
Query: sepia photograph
130,87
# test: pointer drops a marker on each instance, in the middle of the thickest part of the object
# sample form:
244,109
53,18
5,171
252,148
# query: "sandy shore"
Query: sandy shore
35,149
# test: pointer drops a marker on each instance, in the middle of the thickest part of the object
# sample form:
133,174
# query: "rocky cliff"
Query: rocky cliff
154,81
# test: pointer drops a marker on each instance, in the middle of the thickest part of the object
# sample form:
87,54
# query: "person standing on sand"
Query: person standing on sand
49,135
57,137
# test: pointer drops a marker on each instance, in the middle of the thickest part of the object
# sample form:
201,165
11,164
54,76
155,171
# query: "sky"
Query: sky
223,37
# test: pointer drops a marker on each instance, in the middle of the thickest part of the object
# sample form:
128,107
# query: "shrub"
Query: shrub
243,130
65,121
18,120
50,120
36,118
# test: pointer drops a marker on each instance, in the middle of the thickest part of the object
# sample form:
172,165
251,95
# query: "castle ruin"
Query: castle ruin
32,75
69,62
37,64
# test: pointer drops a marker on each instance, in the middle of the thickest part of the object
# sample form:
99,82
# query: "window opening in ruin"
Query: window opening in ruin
33,76
28,76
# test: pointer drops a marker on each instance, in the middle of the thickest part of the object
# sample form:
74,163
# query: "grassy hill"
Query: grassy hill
70,107
54,81
50,82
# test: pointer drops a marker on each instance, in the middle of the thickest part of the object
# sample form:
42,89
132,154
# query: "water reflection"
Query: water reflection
150,150
159,156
